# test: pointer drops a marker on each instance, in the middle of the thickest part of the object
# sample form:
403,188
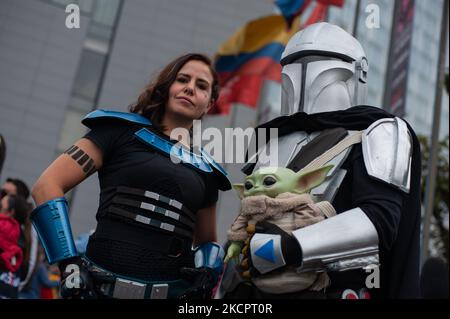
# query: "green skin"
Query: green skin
273,181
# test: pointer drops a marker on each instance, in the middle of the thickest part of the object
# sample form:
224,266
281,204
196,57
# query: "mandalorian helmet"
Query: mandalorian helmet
324,69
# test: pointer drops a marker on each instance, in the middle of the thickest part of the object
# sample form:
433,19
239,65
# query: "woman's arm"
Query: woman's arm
205,226
67,171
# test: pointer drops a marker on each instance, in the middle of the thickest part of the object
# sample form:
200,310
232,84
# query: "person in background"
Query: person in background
2,152
39,280
15,186
28,240
434,279
11,255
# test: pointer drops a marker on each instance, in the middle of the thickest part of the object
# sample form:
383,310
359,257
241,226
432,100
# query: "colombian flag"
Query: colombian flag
252,54
291,8
249,57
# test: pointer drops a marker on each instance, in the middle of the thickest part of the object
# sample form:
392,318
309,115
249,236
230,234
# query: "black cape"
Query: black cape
400,270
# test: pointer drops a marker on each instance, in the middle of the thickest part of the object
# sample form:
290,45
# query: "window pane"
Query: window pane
72,130
78,103
89,73
100,32
85,5
63,2
105,11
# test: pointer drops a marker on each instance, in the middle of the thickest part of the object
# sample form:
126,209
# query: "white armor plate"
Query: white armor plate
387,151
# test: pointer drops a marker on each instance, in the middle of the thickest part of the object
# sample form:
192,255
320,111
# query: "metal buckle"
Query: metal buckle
127,289
159,291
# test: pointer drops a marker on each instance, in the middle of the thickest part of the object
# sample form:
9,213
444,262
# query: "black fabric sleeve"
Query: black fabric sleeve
107,135
381,202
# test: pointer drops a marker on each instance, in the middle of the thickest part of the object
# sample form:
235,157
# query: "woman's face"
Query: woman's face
190,93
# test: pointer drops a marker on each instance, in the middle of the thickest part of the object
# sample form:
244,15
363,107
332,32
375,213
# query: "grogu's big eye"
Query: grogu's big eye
269,181
248,185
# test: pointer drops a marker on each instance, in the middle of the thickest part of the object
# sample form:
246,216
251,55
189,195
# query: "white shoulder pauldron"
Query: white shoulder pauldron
387,151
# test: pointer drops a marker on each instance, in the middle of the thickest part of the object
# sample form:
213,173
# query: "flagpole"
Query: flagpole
356,18
432,161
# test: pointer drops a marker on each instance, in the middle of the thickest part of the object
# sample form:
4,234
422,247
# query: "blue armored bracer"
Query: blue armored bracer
210,255
51,222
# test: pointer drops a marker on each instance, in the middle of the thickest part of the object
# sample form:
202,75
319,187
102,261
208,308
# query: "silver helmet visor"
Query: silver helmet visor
316,84
291,88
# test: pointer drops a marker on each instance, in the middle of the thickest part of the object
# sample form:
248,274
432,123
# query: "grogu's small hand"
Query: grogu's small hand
233,252
269,248
248,272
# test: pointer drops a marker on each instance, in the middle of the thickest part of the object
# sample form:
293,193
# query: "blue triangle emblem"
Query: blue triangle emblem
266,251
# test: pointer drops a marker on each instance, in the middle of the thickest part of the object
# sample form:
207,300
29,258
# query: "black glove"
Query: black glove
76,282
203,281
290,248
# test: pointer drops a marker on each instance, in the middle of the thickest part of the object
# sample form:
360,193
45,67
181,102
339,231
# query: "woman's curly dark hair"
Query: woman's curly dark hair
152,101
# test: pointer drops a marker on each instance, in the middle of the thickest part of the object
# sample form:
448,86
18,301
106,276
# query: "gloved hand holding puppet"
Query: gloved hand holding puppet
278,198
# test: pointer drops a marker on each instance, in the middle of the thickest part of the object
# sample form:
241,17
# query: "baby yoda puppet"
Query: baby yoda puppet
280,196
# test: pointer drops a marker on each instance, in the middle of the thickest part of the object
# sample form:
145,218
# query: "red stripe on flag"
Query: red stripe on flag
241,89
337,3
243,85
318,15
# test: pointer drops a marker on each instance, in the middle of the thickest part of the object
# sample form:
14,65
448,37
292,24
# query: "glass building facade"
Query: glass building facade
103,15
423,61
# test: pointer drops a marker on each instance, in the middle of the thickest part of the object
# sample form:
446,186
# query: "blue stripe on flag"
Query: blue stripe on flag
289,8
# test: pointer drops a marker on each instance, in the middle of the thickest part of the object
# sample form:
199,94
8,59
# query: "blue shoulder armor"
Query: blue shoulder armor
100,115
224,182
204,162
211,161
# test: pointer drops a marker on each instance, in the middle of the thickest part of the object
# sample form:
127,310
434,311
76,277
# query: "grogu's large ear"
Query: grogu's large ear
308,180
239,190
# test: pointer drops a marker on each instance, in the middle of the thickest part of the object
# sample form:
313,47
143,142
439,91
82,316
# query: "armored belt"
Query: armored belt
115,286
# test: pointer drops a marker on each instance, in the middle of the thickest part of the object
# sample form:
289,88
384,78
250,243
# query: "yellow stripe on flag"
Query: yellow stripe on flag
258,33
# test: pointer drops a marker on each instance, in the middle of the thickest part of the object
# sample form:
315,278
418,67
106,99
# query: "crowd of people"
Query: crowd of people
24,272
